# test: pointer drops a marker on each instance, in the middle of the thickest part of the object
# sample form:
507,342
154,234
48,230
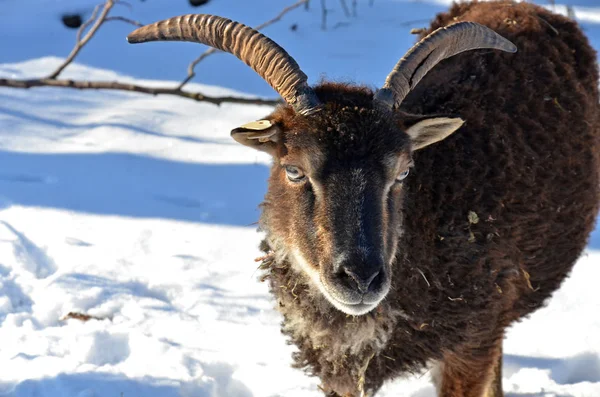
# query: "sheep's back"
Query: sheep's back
525,166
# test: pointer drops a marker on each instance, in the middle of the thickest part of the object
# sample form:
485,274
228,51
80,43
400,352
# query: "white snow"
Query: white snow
140,210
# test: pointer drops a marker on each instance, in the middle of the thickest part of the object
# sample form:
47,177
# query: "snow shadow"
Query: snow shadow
33,258
70,129
134,186
110,288
15,299
104,384
564,371
140,186
231,306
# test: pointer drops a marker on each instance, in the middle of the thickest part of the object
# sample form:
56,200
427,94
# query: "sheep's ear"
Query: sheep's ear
428,131
261,135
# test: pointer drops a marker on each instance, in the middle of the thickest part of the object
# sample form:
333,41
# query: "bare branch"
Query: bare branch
98,20
281,14
126,20
87,23
345,8
113,85
124,3
340,25
192,66
323,15
81,42
354,5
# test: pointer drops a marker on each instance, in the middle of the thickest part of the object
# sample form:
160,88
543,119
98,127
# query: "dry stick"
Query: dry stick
345,8
340,25
87,23
82,42
114,85
191,68
323,15
124,3
126,20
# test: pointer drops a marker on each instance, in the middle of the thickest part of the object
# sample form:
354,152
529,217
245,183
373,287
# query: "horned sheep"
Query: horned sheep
378,273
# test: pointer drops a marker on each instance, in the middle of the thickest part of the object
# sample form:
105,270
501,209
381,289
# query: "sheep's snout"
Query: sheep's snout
359,275
356,285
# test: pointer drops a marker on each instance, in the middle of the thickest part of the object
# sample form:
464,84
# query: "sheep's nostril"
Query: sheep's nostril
362,281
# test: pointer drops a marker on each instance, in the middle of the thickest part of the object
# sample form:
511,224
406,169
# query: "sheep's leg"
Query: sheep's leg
495,389
475,376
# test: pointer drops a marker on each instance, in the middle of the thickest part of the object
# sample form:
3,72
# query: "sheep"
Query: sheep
378,273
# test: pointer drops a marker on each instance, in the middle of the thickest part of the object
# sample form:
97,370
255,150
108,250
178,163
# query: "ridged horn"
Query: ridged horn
256,50
431,50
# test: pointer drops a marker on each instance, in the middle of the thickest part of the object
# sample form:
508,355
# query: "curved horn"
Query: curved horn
437,46
256,50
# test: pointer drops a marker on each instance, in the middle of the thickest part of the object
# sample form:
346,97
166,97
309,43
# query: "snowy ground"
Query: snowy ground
139,210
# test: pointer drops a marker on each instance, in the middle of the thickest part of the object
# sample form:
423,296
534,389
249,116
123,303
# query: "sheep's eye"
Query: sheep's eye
402,176
294,174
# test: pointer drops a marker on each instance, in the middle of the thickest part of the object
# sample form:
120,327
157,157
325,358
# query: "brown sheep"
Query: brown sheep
378,273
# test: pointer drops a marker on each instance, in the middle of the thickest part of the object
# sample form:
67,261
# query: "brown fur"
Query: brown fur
526,163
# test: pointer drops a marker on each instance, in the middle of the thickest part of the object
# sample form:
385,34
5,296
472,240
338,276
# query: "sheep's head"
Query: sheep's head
336,188
341,153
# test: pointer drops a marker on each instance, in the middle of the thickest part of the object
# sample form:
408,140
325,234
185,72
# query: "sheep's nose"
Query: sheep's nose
362,280
360,274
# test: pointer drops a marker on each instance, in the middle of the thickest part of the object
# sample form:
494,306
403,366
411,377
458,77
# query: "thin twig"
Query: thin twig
124,3
345,8
192,66
340,25
354,5
126,20
114,85
87,23
281,14
323,15
82,42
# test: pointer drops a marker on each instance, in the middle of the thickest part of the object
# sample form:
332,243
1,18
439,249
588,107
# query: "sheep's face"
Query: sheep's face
334,203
